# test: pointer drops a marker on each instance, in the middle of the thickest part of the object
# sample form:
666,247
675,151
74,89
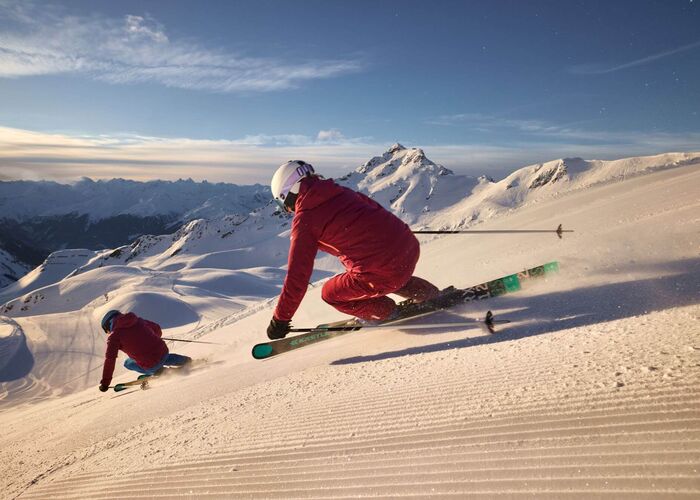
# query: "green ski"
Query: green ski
450,297
143,383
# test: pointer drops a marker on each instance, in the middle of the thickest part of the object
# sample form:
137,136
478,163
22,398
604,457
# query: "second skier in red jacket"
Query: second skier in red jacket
377,249
141,340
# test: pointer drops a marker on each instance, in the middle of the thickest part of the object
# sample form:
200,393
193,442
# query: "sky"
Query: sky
228,90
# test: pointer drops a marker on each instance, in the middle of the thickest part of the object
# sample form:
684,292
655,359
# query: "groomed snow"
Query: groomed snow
591,391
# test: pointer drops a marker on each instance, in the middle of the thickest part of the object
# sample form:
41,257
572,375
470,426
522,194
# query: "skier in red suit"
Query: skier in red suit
141,340
377,249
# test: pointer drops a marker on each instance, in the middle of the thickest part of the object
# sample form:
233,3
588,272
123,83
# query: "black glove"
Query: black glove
104,388
277,329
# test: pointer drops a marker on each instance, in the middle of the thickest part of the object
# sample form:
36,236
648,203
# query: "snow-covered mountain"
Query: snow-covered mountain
51,272
407,182
37,218
425,194
542,181
103,199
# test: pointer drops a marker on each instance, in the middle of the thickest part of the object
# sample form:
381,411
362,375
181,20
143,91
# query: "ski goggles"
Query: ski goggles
280,204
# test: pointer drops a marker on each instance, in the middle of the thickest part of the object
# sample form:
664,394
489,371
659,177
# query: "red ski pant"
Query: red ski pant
363,295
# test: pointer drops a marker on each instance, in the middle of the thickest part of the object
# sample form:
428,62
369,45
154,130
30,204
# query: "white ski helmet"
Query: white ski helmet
287,180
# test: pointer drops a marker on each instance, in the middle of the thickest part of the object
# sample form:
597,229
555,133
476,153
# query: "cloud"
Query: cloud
491,123
601,69
34,155
135,49
330,136
137,25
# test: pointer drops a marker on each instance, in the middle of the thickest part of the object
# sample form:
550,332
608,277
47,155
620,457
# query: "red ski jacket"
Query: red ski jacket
365,237
140,339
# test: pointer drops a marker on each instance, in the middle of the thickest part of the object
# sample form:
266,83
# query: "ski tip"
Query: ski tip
262,351
551,267
120,387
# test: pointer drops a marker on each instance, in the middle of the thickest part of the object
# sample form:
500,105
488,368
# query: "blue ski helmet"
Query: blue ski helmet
107,320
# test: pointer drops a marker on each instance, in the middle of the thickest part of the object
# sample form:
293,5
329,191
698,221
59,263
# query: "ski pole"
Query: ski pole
193,341
489,321
559,231
396,327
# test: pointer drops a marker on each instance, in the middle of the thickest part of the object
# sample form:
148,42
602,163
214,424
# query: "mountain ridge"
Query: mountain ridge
100,199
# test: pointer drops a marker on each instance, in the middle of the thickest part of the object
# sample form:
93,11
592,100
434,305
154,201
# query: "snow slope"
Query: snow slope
592,391
55,268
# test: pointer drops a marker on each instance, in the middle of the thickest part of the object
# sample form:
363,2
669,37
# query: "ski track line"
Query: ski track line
418,464
473,460
452,436
517,373
579,453
678,475
411,422
353,420
454,441
680,472
626,397
671,412
398,433
272,472
453,492
425,484
448,392
534,470
453,395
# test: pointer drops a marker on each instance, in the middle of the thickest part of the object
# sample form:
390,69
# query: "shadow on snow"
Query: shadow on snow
20,365
580,307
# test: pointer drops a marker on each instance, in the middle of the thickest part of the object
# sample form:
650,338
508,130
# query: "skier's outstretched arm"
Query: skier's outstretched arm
302,252
110,361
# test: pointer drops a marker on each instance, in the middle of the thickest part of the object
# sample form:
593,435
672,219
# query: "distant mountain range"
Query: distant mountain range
99,200
40,217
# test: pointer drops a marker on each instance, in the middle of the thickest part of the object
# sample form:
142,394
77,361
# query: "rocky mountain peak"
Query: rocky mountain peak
395,148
